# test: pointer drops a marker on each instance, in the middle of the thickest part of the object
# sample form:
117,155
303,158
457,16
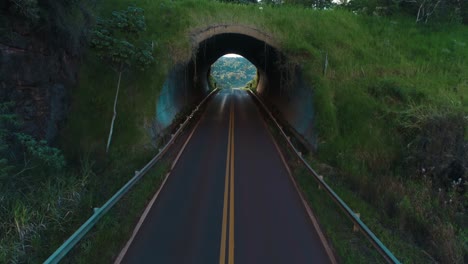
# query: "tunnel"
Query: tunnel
280,82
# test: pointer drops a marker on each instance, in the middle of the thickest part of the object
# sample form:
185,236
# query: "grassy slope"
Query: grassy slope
364,54
378,67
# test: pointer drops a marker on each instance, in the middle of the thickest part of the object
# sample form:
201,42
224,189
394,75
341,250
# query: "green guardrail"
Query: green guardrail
68,245
381,248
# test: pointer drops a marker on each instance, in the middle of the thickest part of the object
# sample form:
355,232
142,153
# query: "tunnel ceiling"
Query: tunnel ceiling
256,51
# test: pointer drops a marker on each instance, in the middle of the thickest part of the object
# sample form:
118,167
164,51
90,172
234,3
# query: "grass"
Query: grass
372,60
383,74
34,218
349,246
114,228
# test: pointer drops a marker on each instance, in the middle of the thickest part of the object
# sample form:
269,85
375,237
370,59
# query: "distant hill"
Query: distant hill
229,72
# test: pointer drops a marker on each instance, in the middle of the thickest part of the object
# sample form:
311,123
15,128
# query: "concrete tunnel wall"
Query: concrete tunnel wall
280,84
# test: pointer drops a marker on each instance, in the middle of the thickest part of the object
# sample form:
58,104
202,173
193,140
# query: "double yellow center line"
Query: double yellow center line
228,197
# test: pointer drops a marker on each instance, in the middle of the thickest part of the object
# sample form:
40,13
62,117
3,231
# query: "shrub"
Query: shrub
20,152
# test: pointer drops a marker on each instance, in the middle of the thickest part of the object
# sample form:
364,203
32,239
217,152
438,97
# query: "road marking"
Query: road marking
231,207
123,252
222,253
228,196
311,215
313,219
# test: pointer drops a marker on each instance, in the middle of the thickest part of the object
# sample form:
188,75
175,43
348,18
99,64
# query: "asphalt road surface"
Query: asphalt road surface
229,198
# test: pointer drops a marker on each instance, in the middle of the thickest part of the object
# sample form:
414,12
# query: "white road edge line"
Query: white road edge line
314,221
153,200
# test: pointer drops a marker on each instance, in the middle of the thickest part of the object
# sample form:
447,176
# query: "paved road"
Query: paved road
229,198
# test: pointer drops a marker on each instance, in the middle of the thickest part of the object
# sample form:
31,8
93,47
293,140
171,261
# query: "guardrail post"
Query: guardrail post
356,226
321,178
136,172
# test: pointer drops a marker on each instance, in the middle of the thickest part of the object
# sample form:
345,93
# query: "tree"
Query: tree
240,1
117,42
464,11
272,2
432,10
28,9
8,121
319,4
435,11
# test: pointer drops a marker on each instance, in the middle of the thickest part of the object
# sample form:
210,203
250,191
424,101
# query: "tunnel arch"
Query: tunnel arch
260,48
280,82
197,36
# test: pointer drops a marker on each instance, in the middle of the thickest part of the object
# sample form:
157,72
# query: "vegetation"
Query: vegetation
30,183
384,73
438,11
115,41
424,11
232,72
62,24
33,153
390,113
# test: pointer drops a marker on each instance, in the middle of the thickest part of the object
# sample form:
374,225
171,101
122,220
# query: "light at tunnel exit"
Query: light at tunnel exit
233,71
232,55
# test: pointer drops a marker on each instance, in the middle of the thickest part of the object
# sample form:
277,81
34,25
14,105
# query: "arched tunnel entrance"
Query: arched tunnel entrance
266,58
280,83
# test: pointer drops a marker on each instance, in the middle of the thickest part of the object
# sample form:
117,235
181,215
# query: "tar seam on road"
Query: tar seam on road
228,196
313,219
153,200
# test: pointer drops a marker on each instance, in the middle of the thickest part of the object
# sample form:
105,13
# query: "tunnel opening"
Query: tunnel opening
267,59
279,82
232,71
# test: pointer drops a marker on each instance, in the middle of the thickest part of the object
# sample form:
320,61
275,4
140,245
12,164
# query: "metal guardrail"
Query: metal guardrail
63,250
381,248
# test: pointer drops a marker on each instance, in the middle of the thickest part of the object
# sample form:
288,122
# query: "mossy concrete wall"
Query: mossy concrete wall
178,92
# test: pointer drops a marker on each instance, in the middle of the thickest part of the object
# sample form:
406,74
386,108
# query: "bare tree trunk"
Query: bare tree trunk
325,64
115,113
429,12
419,12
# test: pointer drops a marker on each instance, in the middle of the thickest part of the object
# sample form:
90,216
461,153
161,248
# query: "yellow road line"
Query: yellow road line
231,207
222,251
123,252
228,196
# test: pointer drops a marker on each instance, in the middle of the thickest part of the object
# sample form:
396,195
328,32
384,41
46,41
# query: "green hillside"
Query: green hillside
391,116
232,72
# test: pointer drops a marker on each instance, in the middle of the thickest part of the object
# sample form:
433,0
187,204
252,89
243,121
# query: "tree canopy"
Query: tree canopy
117,40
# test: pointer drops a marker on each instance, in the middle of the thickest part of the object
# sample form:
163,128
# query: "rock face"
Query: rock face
36,77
